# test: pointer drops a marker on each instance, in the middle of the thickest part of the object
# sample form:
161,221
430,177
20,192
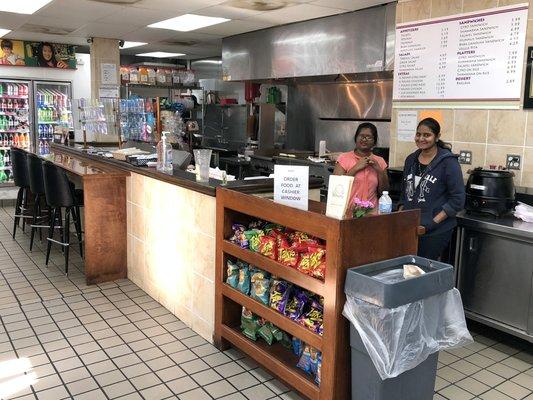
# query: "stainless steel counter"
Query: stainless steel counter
494,273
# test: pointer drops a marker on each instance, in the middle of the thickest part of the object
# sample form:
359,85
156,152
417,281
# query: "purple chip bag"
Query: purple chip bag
296,304
313,318
279,294
238,235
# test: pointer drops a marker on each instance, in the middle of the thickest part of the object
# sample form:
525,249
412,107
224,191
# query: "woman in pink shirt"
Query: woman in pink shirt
369,171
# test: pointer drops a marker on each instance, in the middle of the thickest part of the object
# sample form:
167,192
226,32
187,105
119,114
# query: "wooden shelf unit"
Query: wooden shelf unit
349,243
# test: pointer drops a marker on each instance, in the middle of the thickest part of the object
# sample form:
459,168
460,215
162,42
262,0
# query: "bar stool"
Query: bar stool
60,193
35,173
20,176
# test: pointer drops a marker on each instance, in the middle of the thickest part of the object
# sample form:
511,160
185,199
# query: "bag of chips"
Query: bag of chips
260,285
238,235
280,292
253,236
232,274
297,346
270,333
318,369
295,307
305,360
311,260
244,280
313,317
287,255
268,247
250,324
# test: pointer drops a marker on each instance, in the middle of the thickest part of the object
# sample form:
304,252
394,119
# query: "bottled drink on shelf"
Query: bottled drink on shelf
41,147
9,105
40,131
2,105
15,140
5,140
7,159
15,90
1,89
46,148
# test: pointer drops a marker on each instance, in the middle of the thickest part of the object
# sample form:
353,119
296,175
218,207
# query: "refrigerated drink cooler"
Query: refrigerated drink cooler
15,121
53,112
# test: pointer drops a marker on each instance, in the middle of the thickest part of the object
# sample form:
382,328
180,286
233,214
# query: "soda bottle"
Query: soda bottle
5,141
46,148
15,90
9,105
41,147
1,89
7,159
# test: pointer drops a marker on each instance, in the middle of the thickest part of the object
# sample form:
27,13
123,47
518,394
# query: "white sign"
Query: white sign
109,92
339,191
109,74
407,121
291,185
474,56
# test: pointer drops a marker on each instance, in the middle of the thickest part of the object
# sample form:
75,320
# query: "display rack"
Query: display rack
349,243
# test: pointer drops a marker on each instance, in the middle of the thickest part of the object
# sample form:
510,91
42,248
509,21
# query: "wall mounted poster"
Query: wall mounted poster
37,54
474,56
528,86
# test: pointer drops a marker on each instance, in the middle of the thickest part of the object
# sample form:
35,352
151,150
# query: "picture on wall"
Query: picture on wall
37,54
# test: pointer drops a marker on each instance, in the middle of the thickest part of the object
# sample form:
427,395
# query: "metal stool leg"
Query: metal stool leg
51,233
34,220
24,208
67,235
18,206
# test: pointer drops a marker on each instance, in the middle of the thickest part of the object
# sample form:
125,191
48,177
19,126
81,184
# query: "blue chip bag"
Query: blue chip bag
296,346
244,280
232,274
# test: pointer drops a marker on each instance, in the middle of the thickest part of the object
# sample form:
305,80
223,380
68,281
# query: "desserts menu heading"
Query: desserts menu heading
463,57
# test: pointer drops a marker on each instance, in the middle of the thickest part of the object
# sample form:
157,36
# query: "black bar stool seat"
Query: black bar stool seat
61,193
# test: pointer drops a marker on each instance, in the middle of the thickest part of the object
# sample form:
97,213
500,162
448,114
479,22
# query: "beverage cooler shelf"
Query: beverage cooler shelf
51,122
5,168
13,97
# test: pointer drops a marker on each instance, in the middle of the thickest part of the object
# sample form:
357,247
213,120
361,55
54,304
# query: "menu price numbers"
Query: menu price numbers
440,85
512,59
444,37
514,34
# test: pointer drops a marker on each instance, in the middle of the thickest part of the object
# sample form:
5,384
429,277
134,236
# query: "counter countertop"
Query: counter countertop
506,224
179,177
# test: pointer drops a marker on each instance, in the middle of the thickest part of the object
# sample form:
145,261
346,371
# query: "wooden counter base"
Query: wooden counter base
104,211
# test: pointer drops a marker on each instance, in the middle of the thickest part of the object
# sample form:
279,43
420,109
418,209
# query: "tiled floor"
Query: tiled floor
60,339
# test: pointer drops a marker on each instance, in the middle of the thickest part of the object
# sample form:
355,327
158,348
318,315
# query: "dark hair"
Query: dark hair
6,43
434,126
40,58
367,125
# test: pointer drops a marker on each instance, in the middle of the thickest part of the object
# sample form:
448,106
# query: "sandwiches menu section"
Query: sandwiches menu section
476,56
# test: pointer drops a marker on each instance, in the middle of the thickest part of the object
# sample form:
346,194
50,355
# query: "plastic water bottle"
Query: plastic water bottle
164,155
385,203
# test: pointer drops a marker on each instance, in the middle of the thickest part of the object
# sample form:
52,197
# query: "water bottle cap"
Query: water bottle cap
385,192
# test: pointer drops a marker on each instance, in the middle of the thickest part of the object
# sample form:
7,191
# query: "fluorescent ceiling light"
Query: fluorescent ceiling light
22,7
188,22
4,32
160,54
128,45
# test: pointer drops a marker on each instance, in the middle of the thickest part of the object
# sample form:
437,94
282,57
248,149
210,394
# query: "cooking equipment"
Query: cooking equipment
490,191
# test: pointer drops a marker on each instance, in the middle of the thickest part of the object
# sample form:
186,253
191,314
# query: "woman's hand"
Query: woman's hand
361,164
61,64
374,164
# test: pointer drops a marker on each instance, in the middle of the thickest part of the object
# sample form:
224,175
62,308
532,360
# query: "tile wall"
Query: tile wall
171,249
489,134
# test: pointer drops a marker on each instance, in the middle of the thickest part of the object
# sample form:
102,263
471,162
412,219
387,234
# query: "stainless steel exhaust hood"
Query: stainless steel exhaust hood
359,42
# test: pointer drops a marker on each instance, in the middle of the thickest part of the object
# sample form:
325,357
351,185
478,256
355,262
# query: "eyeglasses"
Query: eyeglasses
366,138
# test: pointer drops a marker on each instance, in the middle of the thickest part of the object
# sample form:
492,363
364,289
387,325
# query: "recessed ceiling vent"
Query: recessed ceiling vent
117,1
47,30
258,5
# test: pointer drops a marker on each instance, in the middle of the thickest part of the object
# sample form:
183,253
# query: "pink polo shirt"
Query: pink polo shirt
365,184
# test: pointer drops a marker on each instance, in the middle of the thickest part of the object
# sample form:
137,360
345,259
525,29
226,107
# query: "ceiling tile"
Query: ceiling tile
96,29
300,12
81,10
236,27
226,11
349,5
135,16
53,22
176,7
12,21
39,37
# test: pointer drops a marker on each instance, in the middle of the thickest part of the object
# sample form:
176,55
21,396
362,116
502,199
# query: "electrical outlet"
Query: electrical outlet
513,161
465,157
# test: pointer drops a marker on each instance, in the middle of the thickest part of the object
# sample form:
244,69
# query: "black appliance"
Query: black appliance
490,191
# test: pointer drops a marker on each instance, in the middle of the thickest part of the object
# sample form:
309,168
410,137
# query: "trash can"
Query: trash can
381,287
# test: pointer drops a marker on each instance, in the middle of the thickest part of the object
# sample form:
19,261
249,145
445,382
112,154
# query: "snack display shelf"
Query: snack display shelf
275,268
274,358
349,243
273,316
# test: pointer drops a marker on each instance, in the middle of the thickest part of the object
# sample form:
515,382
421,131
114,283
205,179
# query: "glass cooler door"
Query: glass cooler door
15,122
53,112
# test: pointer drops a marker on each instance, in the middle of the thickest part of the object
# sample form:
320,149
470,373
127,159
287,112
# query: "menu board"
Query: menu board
474,56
